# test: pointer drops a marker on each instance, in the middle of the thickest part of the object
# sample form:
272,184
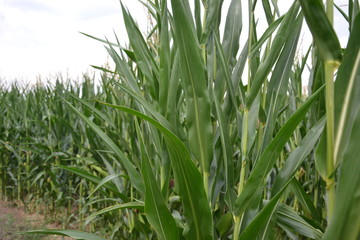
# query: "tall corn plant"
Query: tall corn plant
214,152
38,133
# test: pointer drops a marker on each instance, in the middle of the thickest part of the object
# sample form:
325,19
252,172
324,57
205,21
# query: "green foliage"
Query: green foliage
180,142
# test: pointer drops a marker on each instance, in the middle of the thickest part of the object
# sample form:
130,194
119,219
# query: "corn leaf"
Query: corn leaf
296,157
347,97
324,35
269,156
262,219
130,168
288,217
345,223
265,67
135,205
193,74
156,210
69,233
347,94
188,182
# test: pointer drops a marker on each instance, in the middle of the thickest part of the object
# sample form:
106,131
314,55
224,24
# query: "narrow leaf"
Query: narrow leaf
69,233
262,218
129,167
296,157
288,217
135,205
269,156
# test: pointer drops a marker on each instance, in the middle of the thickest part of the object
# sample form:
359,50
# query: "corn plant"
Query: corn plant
36,137
195,147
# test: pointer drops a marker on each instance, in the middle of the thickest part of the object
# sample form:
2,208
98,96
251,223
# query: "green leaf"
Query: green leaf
324,35
268,32
304,199
129,167
94,179
124,69
224,224
197,16
172,104
94,110
149,108
277,88
268,11
144,58
347,93
296,157
347,97
69,233
345,223
267,159
156,210
232,31
198,118
165,61
103,182
288,217
228,49
129,53
212,19
226,74
225,144
135,205
188,182
320,157
262,219
265,66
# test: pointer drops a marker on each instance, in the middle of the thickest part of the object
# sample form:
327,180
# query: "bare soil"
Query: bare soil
13,220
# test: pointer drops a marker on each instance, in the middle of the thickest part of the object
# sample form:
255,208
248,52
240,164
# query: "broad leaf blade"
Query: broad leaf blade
195,85
156,210
321,29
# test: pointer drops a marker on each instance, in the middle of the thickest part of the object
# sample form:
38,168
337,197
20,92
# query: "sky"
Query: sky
40,38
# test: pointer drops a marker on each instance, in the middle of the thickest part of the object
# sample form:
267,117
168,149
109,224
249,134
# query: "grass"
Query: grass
180,142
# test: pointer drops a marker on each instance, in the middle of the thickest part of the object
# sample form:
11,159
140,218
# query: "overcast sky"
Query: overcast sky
41,37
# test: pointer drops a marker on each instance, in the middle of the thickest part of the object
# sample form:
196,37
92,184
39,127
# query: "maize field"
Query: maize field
195,134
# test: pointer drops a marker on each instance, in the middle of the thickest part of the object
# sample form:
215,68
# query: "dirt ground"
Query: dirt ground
14,219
